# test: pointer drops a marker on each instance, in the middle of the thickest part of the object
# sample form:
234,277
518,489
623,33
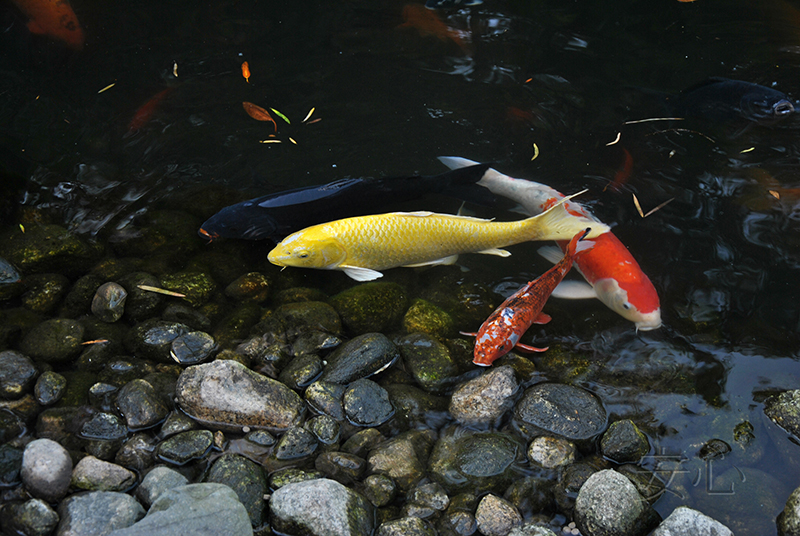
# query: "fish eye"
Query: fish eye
302,254
626,306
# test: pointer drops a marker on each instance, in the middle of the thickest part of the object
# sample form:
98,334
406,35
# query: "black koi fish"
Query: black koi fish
723,99
277,215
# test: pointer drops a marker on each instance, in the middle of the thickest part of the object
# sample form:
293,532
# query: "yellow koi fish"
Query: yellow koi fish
364,245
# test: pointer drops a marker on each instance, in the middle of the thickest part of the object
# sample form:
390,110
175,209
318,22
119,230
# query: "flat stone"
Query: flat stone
98,475
97,512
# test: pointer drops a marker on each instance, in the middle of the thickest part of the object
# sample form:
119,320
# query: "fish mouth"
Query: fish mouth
782,108
208,236
481,363
650,321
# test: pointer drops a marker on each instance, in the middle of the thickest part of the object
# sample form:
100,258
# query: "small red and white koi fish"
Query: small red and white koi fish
614,276
501,332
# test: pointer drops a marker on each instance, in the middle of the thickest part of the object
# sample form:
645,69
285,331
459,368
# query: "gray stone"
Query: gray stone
97,475
321,507
405,526
49,388
430,494
185,447
296,443
398,459
784,410
104,426
496,516
609,505
624,442
550,452
246,479
10,465
157,481
360,357
367,404
137,452
31,518
564,410
53,341
229,396
484,400
97,512
197,509
46,469
141,405
193,348
17,374
531,529
108,303
326,397
684,521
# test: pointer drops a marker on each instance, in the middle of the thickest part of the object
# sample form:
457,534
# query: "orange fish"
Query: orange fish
246,71
501,332
146,110
258,113
53,18
428,23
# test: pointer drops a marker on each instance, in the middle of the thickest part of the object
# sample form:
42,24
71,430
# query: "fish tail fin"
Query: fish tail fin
557,223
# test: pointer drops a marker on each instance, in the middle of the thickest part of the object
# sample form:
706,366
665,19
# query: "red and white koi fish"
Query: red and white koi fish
614,276
53,18
501,332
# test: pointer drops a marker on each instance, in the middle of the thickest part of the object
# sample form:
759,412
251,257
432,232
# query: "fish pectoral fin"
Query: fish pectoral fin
543,318
495,251
526,348
445,260
361,274
551,253
468,334
574,290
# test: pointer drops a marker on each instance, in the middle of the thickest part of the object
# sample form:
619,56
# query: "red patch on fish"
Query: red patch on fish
427,22
53,18
146,110
501,332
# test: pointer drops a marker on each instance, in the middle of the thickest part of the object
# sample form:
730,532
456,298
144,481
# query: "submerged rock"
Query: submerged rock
564,410
156,482
424,317
17,374
31,518
98,512
624,442
108,303
96,475
367,404
152,339
428,361
44,292
496,516
230,396
53,341
484,400
246,479
49,388
360,357
48,248
609,505
371,307
321,507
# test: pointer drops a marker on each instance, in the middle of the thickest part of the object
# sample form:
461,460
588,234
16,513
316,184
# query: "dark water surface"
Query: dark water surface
724,254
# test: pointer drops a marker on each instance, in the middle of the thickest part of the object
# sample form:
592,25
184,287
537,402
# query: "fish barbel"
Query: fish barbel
500,333
362,246
612,274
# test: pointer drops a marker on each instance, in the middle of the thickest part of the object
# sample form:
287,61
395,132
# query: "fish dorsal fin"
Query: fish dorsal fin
418,213
425,214
495,251
574,290
361,274
445,260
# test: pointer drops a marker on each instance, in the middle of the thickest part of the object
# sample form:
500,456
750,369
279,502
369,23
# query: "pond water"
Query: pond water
393,93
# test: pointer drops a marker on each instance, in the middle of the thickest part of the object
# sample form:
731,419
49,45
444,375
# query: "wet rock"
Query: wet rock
431,495
31,518
11,425
152,339
405,526
624,442
97,512
53,341
496,516
360,443
197,287
570,480
367,404
103,396
484,400
199,509
44,292
47,248
324,428
157,481
108,303
230,396
96,475
360,357
788,520
246,479
475,461
415,408
296,443
326,397
684,521
17,374
46,470
371,307
341,466
399,459
531,495
647,482
564,410
424,317
79,298
784,410
301,371
253,286
428,361
105,427
192,348
321,507
379,489
8,274
182,313
296,319
175,423
141,304
185,447
49,388
280,478
137,452
550,452
532,529
608,505
10,465
140,405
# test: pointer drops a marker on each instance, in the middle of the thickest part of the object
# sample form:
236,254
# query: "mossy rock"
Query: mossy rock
371,307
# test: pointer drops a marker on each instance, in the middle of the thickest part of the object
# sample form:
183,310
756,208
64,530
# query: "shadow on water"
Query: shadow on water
723,254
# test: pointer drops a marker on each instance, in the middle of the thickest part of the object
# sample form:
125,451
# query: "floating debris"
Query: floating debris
535,152
246,71
258,113
616,140
161,291
104,89
308,115
281,116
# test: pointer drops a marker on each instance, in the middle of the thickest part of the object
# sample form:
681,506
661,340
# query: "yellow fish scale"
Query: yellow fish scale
398,239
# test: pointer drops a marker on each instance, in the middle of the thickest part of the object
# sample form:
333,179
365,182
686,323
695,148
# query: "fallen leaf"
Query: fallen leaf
258,113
